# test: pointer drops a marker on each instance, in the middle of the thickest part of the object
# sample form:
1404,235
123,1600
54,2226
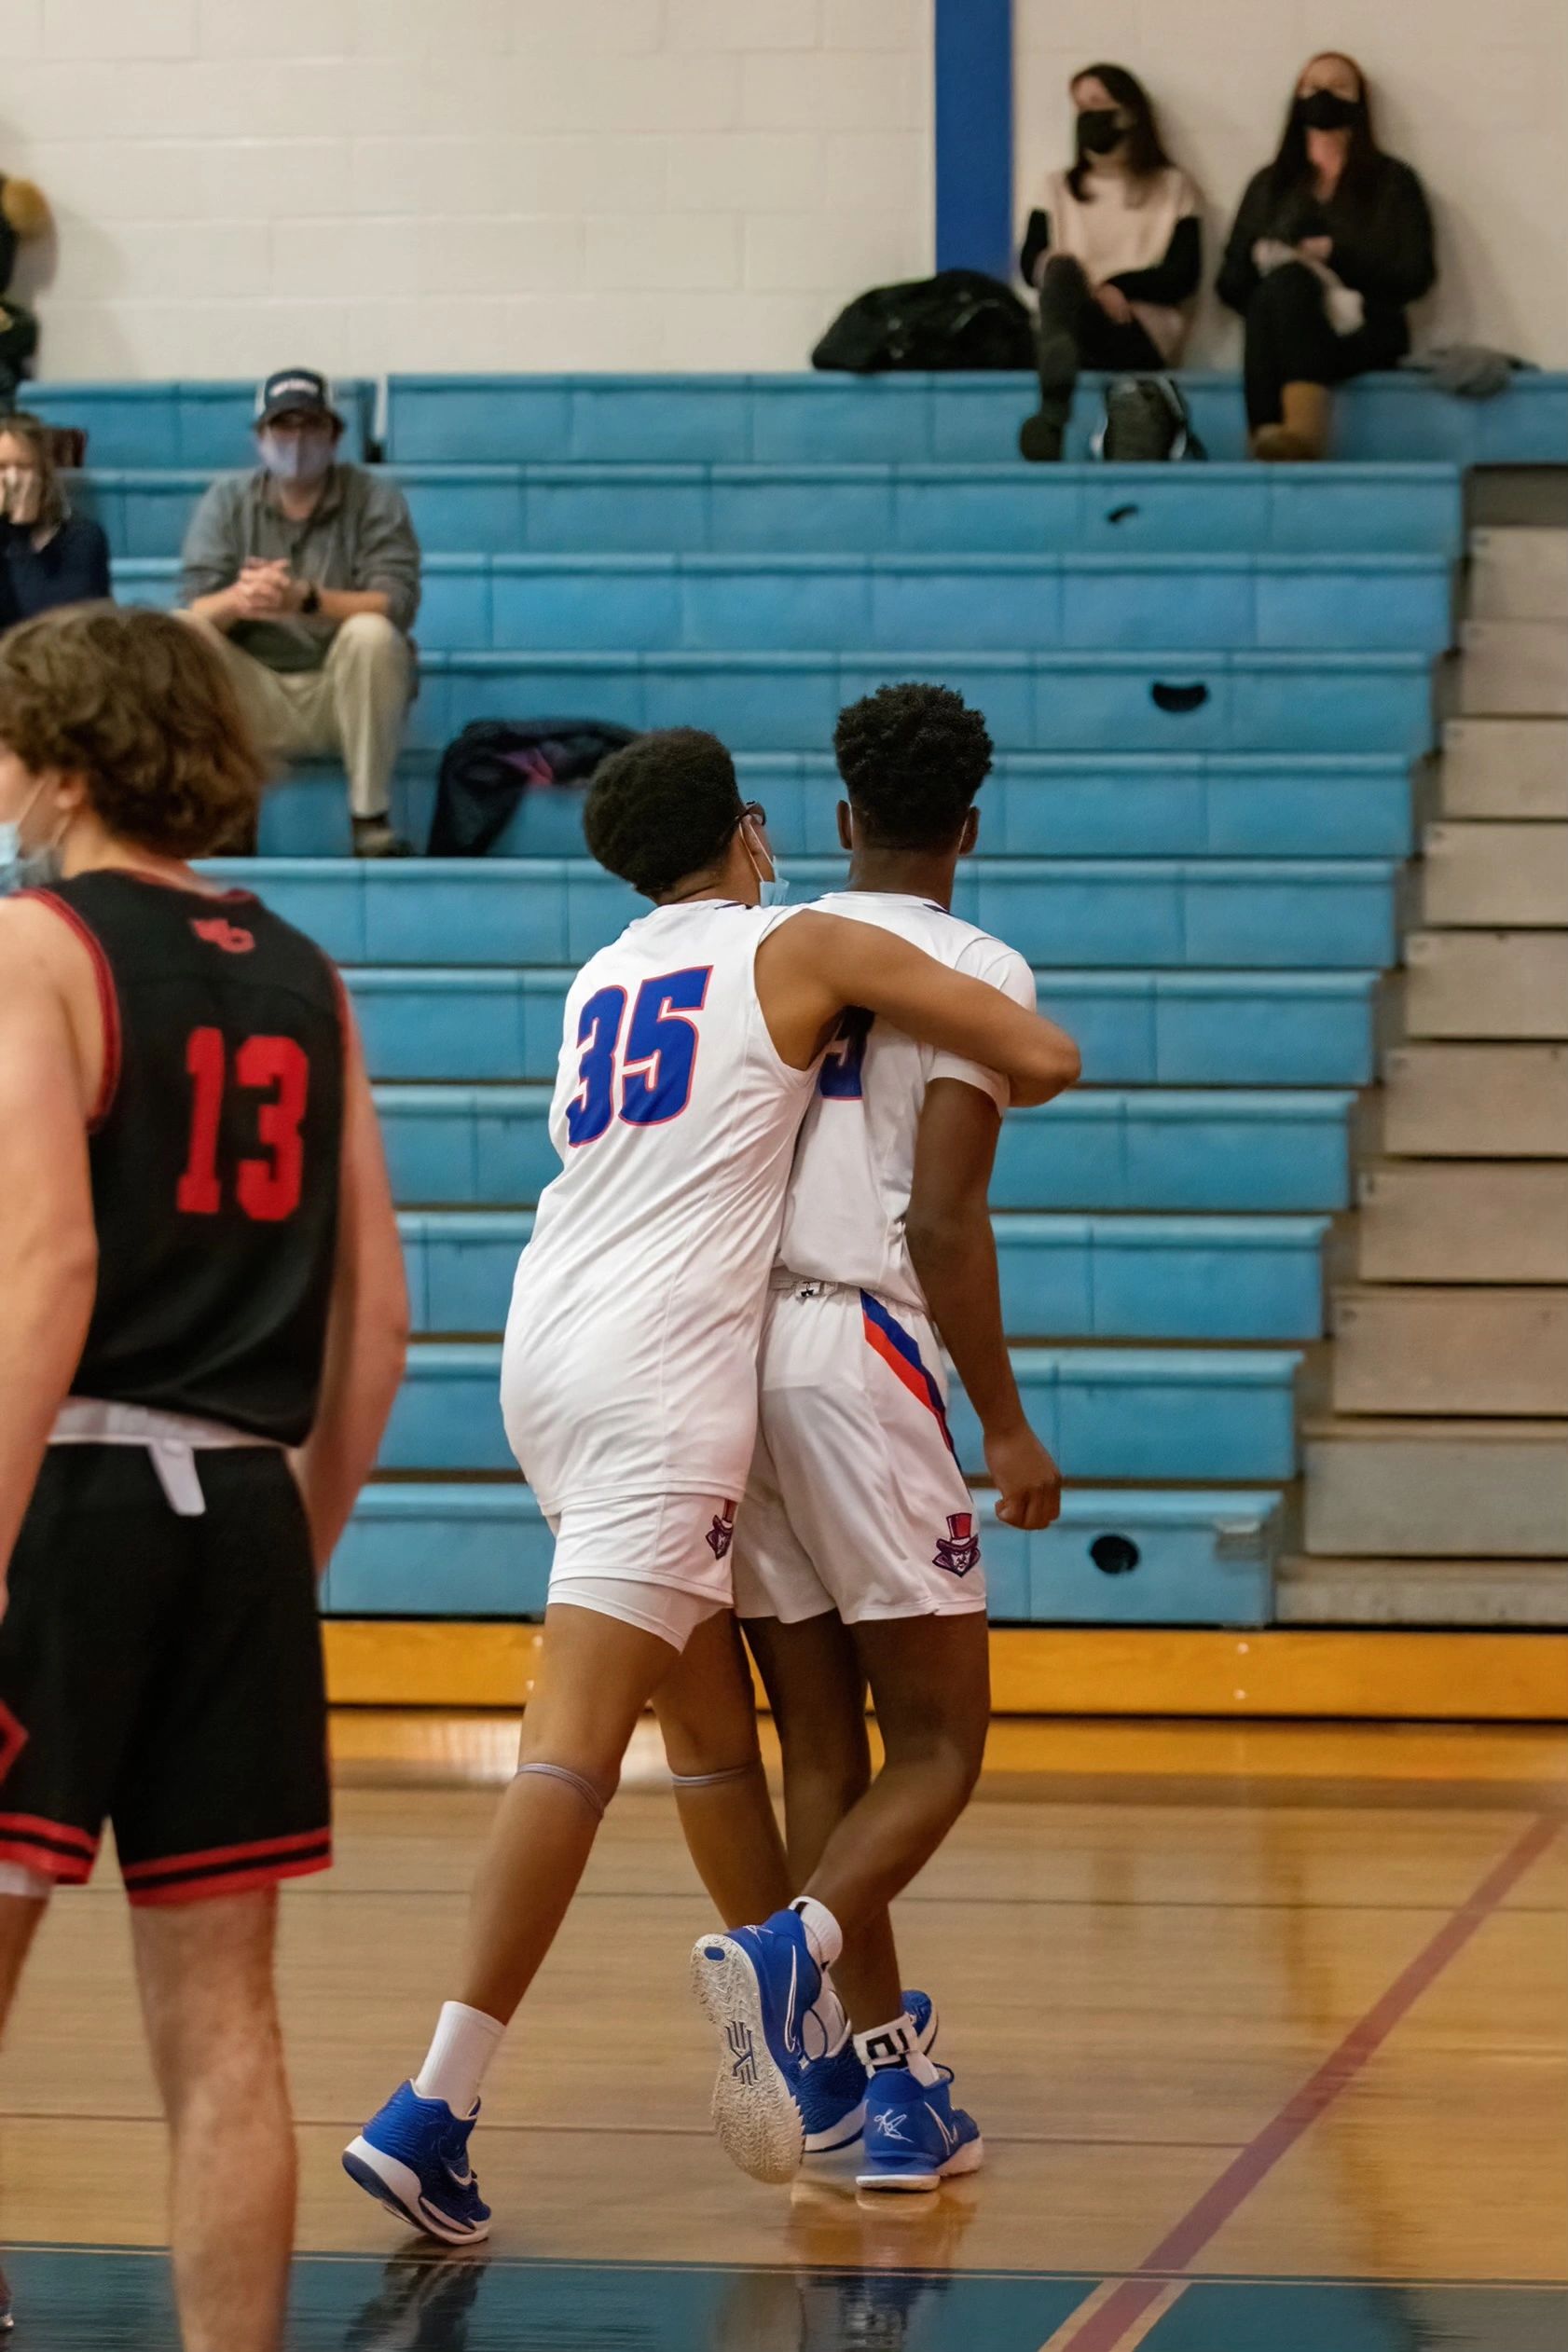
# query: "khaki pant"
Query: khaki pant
354,705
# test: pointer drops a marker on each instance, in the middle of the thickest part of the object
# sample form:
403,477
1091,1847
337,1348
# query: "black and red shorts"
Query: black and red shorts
164,1675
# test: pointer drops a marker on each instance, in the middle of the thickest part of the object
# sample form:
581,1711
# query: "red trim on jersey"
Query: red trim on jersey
13,1739
109,1002
204,1888
257,1850
185,889
61,1833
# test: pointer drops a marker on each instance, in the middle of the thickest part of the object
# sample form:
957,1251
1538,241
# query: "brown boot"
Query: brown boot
1303,432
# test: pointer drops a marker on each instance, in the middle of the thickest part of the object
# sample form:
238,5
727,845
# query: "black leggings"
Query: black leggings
1290,342
1074,332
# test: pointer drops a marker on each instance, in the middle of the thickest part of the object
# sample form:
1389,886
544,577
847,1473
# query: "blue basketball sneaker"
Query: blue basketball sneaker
915,2135
758,1987
412,2157
833,2088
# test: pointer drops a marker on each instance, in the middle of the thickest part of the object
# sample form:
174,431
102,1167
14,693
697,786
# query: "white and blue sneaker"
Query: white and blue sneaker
758,1987
916,2138
833,2088
412,2157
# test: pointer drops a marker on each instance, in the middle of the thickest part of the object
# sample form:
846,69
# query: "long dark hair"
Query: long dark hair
1291,171
1146,150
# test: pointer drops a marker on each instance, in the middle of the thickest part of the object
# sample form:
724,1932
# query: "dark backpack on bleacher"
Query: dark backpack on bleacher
485,770
959,319
1147,422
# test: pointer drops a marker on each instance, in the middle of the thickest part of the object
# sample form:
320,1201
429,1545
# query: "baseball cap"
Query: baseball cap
295,387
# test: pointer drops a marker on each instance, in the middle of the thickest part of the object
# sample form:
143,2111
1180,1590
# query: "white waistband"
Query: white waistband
86,1421
171,1440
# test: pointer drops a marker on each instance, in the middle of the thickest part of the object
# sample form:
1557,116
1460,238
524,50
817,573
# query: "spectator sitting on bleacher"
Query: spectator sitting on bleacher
1333,241
48,554
306,572
1115,250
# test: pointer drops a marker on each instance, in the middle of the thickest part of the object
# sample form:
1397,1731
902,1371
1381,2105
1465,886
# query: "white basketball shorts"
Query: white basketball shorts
856,1501
659,1562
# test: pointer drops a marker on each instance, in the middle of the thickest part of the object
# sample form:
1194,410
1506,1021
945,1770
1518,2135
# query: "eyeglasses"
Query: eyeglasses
756,812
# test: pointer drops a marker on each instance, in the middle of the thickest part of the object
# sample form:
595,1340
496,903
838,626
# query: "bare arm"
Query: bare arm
49,1249
368,1333
811,967
952,1249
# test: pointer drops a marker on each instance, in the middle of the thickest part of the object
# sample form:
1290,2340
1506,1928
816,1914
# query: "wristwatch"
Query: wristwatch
311,601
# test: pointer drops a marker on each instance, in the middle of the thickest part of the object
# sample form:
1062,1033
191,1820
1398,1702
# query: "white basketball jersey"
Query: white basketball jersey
631,1347
843,1219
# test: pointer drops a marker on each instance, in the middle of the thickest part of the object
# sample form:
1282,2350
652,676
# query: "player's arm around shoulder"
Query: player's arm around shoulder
368,1324
809,969
49,1249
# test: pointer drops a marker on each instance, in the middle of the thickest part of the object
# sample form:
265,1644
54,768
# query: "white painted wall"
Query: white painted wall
1473,92
369,184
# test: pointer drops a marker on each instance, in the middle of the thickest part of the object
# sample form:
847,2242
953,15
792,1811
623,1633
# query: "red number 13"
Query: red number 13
267,1190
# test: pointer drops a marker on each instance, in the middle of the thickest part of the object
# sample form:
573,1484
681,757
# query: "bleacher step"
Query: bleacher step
1504,1594
1496,984
1519,575
1506,767
1482,1102
1415,1349
1513,670
1496,875
1487,1221
1443,1488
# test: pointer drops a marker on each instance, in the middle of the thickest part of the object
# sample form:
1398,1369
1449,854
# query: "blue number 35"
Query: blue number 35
656,1068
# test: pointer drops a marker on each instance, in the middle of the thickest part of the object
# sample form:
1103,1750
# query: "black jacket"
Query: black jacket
1382,235
71,568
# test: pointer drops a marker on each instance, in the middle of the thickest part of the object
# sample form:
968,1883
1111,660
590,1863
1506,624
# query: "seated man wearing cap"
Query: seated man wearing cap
307,573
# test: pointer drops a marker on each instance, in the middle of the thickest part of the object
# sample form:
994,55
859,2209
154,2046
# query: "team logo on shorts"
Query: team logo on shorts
958,1550
218,932
720,1535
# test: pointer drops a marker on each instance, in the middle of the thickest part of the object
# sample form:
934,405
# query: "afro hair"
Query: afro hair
913,758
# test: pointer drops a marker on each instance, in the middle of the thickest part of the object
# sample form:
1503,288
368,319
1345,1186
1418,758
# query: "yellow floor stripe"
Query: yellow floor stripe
1137,2330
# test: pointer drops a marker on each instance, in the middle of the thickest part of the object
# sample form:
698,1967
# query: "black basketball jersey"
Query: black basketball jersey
214,1150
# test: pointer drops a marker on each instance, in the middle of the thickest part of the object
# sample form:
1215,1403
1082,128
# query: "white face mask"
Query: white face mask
773,889
20,869
21,494
304,458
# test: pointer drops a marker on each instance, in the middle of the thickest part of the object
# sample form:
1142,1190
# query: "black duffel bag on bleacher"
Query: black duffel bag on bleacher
485,770
959,319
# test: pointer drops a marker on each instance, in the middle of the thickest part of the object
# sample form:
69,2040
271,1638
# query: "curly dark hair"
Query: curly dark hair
663,808
137,705
913,758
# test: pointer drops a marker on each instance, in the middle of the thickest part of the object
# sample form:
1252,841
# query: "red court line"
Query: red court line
1109,2327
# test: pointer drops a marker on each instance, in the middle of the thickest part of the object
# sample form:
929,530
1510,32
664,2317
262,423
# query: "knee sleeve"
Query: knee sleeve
591,1797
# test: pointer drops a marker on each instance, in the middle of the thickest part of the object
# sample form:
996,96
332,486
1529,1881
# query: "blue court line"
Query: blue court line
973,68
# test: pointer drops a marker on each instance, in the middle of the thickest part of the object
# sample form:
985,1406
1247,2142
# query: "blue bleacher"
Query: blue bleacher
1207,685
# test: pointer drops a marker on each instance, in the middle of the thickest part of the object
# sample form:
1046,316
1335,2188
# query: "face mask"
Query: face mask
21,494
773,889
1326,110
304,458
1100,129
21,870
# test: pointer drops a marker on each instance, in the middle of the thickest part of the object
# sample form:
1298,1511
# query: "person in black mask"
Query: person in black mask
1114,249
1333,241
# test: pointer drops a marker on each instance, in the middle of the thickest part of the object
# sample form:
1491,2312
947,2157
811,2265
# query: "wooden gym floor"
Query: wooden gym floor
1264,2027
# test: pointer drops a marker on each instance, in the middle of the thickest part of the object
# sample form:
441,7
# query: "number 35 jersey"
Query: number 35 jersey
848,1198
630,1365
215,1151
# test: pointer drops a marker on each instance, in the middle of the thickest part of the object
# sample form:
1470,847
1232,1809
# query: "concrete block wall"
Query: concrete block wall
379,185
1474,98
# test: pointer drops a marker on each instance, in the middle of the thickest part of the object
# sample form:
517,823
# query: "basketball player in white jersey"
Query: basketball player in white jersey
857,1551
628,1384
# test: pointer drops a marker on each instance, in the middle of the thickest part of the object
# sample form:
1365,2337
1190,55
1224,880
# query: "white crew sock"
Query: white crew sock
822,1930
895,2046
466,2040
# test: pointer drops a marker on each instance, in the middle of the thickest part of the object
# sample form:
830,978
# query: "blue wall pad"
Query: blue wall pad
809,419
868,509
1114,1558
972,58
1062,1277
1198,1028
1154,912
